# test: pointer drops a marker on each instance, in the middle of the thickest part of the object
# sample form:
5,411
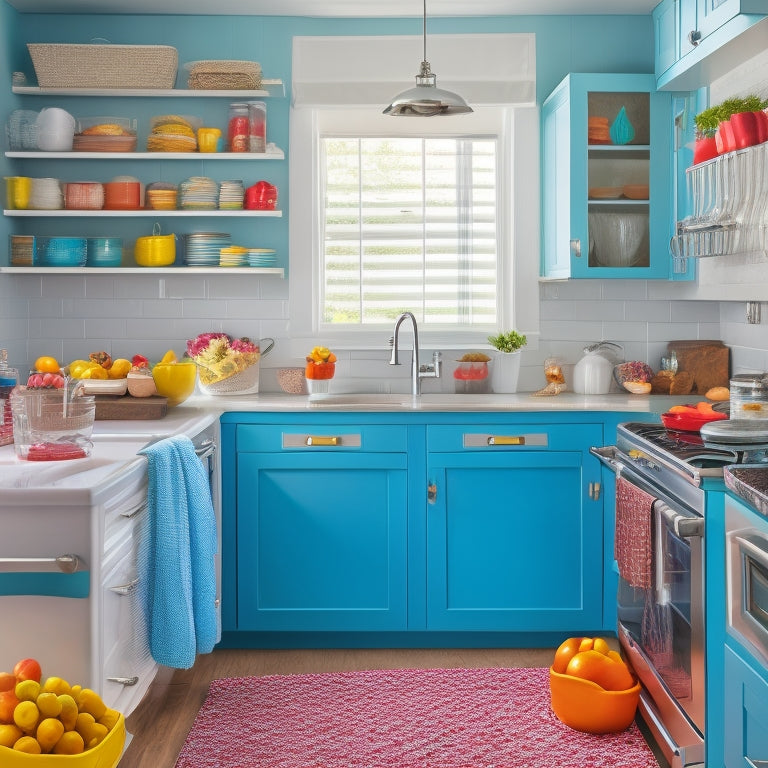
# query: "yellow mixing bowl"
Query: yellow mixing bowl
176,381
105,755
155,250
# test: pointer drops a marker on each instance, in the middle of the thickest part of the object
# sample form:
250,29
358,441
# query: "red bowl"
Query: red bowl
689,422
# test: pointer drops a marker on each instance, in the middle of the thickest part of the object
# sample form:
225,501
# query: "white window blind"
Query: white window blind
409,224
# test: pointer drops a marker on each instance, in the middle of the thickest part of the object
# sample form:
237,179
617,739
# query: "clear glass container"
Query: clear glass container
9,378
749,396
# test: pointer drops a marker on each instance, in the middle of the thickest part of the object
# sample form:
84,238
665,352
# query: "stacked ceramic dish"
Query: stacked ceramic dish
173,133
162,196
199,193
45,195
261,257
84,196
598,130
231,195
62,251
233,256
203,249
104,252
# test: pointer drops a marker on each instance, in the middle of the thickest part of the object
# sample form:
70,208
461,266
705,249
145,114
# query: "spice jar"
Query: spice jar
749,396
238,127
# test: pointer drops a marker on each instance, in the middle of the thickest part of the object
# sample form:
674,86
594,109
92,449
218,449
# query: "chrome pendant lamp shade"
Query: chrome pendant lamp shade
426,99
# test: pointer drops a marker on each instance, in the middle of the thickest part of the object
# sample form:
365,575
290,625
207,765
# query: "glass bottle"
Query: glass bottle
238,128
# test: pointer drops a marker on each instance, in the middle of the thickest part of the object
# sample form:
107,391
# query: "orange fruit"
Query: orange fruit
27,669
71,743
567,650
49,732
47,365
27,744
601,669
10,733
7,681
8,702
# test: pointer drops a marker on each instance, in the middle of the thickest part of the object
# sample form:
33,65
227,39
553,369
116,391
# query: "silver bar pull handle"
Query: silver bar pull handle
125,589
126,681
205,449
132,513
63,563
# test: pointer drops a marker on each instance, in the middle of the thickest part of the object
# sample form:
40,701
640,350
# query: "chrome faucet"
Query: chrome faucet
418,372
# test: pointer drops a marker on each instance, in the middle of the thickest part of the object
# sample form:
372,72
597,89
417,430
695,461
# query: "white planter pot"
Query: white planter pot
506,370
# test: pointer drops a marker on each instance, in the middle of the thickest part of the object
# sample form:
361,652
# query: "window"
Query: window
409,224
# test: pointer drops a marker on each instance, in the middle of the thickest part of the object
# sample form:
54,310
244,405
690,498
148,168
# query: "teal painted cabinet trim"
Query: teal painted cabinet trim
572,164
76,585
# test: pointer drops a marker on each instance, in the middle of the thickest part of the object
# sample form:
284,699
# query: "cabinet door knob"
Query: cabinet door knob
694,37
576,247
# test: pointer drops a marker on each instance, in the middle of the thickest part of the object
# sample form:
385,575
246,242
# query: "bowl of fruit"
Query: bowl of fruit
691,418
48,723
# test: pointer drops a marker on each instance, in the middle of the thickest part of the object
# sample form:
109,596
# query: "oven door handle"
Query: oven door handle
682,526
607,456
754,546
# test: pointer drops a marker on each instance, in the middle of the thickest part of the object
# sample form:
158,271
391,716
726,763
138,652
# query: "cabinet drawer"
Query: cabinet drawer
255,438
509,437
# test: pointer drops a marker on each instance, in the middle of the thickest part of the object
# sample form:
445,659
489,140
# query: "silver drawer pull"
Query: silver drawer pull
125,589
63,563
140,508
323,440
205,449
126,681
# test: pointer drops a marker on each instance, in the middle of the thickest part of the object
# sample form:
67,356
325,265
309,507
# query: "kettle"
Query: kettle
593,373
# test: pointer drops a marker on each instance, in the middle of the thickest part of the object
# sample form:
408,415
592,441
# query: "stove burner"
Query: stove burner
686,447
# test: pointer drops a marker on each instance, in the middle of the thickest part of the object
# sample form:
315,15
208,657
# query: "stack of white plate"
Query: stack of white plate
203,249
261,257
231,195
199,193
45,195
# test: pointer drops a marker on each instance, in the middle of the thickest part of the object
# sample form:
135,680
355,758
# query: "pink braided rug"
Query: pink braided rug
401,718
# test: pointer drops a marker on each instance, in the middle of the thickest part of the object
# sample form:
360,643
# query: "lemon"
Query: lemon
119,368
27,690
49,705
56,685
27,744
49,732
71,743
25,715
10,733
170,357
68,713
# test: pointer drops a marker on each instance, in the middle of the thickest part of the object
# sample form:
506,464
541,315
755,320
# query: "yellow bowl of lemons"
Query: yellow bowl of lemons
174,379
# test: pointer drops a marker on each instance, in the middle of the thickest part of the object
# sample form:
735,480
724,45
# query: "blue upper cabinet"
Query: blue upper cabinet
698,40
607,207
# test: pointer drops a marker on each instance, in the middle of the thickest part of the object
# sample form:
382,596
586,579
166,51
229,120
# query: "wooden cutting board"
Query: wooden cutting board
708,361
118,407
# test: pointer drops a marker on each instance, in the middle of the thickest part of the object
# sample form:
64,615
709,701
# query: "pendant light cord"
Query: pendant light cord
424,31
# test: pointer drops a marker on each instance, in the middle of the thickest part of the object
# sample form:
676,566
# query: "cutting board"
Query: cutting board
707,361
114,407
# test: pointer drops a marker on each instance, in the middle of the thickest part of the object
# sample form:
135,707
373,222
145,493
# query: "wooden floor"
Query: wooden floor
161,722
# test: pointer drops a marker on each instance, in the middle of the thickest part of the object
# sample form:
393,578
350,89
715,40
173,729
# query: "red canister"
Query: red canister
238,128
262,196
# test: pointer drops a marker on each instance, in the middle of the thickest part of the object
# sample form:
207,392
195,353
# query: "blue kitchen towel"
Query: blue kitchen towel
177,565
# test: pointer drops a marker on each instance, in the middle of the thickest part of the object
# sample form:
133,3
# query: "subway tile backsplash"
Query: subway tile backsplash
67,315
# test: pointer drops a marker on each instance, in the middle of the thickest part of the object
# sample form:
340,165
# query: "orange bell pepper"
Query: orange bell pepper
593,659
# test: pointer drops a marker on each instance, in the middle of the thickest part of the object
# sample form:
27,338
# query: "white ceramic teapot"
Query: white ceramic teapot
592,375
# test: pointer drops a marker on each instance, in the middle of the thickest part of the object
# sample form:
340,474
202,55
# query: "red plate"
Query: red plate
690,422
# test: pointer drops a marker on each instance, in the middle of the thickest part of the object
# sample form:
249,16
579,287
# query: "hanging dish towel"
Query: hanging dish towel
633,544
177,559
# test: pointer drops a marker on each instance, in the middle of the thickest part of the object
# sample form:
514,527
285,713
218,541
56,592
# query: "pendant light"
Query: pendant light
426,99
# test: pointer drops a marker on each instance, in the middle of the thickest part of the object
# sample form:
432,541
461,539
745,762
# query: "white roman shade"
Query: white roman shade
369,71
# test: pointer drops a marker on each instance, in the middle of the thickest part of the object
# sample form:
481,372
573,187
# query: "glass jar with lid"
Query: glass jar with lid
749,396
238,127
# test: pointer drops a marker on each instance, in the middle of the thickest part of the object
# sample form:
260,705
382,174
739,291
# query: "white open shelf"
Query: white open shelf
274,154
270,88
215,270
143,213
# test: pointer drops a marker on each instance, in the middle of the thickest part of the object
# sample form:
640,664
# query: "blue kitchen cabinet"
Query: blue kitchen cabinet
321,527
746,709
697,41
606,205
514,537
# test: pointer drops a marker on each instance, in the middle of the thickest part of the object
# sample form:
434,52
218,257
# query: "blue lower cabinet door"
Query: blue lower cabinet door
322,543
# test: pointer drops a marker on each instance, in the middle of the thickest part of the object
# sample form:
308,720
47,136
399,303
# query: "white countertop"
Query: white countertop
116,443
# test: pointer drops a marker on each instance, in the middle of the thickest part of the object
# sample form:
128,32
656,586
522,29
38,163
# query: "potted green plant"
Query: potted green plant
735,123
707,122
506,363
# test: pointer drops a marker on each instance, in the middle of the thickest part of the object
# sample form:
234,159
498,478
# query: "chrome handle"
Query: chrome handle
576,248
206,448
694,37
126,681
125,589
64,563
594,491
682,526
139,508
323,440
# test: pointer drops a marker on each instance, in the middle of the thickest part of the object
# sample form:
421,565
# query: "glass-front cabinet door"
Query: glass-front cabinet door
607,207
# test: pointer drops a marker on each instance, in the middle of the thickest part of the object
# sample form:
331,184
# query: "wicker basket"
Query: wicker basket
64,65
224,75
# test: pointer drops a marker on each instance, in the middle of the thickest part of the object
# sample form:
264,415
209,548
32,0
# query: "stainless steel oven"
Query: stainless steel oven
747,580
659,548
